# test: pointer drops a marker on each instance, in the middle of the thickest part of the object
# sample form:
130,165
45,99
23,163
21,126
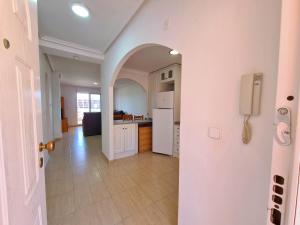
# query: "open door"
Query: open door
22,179
285,164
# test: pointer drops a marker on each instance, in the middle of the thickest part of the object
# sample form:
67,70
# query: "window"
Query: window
87,103
95,103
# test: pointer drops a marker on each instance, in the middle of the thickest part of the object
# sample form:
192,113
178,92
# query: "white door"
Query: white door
22,181
129,137
118,138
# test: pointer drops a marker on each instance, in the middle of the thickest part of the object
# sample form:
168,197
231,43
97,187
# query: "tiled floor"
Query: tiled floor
84,189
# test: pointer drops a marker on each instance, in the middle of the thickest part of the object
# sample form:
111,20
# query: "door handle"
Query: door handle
50,146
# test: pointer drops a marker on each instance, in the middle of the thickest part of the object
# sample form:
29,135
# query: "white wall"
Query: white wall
130,97
56,105
221,182
69,92
46,98
75,72
45,76
138,76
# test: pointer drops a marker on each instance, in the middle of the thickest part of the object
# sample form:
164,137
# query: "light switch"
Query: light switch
214,133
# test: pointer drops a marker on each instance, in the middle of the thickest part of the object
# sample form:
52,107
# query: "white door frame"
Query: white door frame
285,159
294,198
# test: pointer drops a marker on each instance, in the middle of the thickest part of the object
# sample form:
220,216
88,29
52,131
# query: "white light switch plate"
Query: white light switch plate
214,133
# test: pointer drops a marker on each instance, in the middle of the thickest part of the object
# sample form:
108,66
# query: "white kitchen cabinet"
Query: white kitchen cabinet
125,140
176,144
169,73
153,89
118,138
130,137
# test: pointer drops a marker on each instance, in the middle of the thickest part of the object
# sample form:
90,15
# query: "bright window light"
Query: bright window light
174,52
80,10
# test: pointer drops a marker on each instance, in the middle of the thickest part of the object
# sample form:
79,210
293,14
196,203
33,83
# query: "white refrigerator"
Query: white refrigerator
163,123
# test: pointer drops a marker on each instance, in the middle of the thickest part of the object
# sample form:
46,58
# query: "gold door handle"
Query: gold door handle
50,146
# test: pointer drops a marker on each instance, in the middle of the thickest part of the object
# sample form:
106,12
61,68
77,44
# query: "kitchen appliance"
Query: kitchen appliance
163,123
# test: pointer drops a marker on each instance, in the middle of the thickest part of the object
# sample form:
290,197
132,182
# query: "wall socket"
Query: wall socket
214,133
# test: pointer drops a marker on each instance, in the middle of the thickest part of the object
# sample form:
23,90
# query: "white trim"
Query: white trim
70,47
50,63
3,186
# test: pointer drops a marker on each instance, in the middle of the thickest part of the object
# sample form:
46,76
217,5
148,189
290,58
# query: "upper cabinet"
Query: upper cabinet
169,74
166,79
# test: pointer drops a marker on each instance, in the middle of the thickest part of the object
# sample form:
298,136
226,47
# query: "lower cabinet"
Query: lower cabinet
125,140
176,140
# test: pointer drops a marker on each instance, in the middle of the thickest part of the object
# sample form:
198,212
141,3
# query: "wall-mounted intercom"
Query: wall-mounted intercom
250,96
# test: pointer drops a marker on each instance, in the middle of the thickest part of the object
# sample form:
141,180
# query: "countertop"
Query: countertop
120,122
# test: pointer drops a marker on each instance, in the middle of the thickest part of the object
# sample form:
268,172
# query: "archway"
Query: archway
163,72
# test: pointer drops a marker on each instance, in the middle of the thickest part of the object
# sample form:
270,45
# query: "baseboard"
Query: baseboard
79,125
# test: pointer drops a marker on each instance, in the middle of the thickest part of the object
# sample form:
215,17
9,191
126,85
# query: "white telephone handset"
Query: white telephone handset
283,126
250,96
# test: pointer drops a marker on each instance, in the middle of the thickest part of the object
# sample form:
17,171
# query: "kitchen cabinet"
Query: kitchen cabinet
176,140
125,140
145,138
153,89
169,73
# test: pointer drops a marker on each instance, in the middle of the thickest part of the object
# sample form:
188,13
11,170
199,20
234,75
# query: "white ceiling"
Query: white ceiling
151,59
106,21
75,72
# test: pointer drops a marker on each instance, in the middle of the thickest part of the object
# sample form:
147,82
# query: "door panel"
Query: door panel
118,139
27,115
20,115
129,137
3,186
21,10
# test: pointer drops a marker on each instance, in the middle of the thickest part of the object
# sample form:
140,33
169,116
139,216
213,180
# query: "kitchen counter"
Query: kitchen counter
139,122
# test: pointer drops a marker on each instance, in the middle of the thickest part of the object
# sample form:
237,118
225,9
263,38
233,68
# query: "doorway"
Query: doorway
156,132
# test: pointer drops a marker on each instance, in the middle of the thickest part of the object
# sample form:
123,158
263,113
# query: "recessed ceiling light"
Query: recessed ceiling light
80,10
95,83
174,52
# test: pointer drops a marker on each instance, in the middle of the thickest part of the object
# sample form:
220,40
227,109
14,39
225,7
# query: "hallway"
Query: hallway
84,189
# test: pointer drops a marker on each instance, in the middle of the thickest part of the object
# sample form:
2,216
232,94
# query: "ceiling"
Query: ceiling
151,59
75,72
96,33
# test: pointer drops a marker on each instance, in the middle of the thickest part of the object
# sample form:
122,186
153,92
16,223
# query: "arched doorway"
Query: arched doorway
155,170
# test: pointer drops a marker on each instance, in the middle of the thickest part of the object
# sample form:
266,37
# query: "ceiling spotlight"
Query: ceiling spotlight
80,10
174,52
95,83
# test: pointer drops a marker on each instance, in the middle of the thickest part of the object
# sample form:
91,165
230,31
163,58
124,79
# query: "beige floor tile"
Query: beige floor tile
169,208
83,188
82,198
114,184
60,206
124,204
99,191
154,216
108,212
137,219
87,216
139,198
